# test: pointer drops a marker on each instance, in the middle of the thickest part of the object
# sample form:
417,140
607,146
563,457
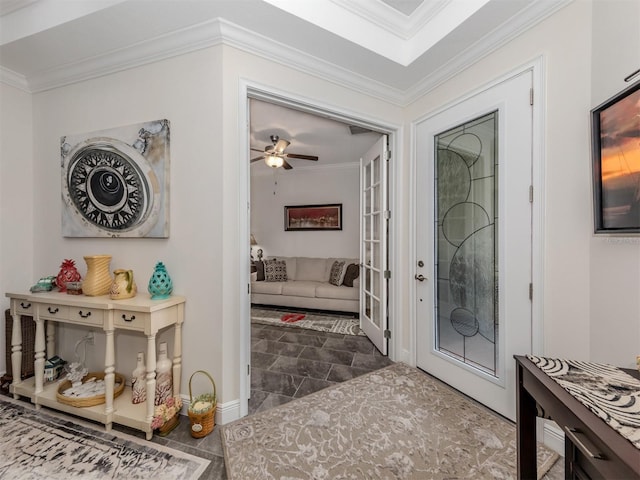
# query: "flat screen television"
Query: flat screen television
615,127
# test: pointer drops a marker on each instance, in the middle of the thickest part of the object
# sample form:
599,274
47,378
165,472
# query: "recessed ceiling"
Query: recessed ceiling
394,49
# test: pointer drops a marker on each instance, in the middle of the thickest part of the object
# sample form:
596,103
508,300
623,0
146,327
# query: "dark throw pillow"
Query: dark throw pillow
275,271
351,274
259,271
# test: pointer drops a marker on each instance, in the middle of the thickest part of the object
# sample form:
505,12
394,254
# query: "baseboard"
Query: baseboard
225,412
552,435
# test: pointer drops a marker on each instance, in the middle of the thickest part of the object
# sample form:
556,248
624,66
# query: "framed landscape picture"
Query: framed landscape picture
615,129
313,217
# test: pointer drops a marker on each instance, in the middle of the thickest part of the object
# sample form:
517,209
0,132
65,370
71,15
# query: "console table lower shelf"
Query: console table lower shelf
124,411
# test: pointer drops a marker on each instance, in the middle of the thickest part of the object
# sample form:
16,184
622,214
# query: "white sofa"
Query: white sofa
308,286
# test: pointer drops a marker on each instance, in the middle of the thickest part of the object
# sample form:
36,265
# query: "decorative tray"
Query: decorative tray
67,396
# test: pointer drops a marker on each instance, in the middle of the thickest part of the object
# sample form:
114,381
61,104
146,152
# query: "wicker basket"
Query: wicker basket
89,401
202,420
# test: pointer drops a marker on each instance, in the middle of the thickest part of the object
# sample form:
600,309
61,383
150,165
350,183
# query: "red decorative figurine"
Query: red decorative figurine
68,273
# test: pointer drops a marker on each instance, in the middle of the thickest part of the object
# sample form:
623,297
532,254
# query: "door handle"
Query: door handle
420,277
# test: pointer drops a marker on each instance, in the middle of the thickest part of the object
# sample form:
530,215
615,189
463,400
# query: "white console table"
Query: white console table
138,314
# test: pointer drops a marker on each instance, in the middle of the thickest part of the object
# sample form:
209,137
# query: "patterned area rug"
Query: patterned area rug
394,423
314,321
39,445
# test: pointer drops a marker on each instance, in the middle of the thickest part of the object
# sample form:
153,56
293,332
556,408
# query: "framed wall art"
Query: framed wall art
615,129
115,182
313,217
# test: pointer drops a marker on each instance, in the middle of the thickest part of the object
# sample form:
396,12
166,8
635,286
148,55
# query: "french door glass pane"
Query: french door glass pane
466,200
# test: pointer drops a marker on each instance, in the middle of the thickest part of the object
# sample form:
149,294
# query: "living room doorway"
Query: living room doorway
279,186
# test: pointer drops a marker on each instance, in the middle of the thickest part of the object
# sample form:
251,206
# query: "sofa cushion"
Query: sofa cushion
311,269
329,264
327,290
352,272
270,288
336,275
300,288
275,271
291,265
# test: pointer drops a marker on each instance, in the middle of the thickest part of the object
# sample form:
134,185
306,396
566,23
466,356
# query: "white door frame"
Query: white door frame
251,89
536,66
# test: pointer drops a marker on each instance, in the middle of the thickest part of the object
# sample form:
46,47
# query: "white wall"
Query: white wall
187,91
273,190
16,198
590,291
615,262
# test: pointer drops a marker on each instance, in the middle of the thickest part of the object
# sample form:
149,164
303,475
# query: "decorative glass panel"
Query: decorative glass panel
466,200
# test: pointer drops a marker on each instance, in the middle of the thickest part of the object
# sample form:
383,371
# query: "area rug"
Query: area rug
394,423
313,321
45,445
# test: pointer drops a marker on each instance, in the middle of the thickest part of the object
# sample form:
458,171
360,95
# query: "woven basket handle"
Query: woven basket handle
210,378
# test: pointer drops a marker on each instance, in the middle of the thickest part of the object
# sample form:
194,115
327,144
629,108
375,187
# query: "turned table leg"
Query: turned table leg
16,351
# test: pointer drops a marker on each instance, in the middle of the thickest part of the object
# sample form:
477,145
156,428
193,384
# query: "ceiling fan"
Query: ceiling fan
275,157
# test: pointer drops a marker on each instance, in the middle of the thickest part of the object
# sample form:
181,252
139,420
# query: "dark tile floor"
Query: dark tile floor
291,362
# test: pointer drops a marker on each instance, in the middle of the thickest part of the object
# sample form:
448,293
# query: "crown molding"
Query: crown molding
534,14
249,41
219,31
13,79
176,43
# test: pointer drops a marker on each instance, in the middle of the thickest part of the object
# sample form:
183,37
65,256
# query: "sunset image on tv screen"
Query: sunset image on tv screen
620,163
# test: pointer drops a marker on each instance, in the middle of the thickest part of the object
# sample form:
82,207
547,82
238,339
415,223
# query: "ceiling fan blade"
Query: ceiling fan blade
302,157
256,159
257,150
281,145
286,165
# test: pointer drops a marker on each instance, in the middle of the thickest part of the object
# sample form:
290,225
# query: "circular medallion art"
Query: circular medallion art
107,188
116,188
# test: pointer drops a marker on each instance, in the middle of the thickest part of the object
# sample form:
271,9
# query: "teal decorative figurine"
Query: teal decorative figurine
160,284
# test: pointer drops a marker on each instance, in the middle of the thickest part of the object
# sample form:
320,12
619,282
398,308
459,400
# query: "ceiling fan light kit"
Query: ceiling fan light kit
275,157
274,161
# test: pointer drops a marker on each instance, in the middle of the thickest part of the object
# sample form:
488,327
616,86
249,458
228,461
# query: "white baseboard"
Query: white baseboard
225,412
551,435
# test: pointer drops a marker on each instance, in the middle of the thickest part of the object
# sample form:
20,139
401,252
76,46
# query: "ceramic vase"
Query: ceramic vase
139,381
123,285
98,279
160,284
68,273
164,378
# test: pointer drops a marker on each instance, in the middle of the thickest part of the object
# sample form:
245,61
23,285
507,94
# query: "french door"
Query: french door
473,241
373,244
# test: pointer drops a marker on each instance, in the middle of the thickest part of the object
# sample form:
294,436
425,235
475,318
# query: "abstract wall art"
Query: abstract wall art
115,182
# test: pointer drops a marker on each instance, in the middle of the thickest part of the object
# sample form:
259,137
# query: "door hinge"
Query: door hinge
387,274
531,291
248,369
530,193
387,214
387,155
387,334
531,96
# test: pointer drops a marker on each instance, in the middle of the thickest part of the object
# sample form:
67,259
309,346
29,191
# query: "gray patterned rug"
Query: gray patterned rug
394,423
334,323
45,445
